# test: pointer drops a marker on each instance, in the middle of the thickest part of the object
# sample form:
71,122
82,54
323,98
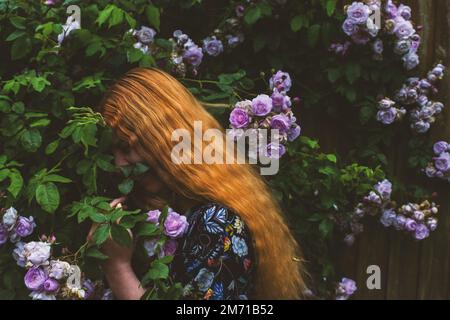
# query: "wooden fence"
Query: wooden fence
409,269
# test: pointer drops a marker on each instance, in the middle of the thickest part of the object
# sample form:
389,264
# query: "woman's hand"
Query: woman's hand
118,256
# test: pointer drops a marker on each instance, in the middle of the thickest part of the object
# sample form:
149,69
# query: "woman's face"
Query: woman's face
126,157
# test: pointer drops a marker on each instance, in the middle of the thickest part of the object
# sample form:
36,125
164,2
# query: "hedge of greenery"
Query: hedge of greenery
55,162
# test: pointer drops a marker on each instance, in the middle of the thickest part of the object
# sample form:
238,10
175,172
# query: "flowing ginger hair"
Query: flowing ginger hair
143,108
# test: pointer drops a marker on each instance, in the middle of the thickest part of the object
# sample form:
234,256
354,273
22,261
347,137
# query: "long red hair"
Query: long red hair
144,107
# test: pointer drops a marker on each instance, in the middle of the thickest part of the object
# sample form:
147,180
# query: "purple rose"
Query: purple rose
3,234
212,46
193,55
150,246
89,288
275,150
387,116
378,46
153,216
402,47
421,126
175,225
280,101
232,41
384,189
432,223
399,222
281,81
10,218
294,133
388,217
37,253
239,118
411,60
349,27
404,12
421,232
430,171
145,35
170,247
404,29
410,225
358,13
25,226
419,215
35,278
347,287
50,285
262,105
373,198
385,104
442,163
440,147
391,9
280,122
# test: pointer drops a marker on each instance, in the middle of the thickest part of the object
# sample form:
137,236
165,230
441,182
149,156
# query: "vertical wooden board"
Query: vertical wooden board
372,250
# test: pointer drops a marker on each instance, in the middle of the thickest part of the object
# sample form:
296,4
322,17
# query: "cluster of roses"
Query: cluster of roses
440,166
268,112
363,25
372,205
415,93
15,227
175,226
417,219
345,289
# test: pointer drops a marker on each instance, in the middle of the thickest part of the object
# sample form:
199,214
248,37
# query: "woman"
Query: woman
144,108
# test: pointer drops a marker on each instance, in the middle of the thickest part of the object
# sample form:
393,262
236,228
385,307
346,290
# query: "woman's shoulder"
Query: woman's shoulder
215,218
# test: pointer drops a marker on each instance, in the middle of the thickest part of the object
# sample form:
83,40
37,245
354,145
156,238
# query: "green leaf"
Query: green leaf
16,182
94,252
51,147
252,15
153,16
313,35
15,35
298,22
157,271
56,178
121,235
47,195
147,229
331,158
31,140
40,123
18,22
116,17
101,234
105,14
126,186
331,7
20,48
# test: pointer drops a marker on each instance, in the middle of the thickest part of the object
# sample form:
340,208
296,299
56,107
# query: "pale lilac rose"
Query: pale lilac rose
232,41
153,216
373,198
399,222
346,287
35,278
403,46
239,118
25,226
419,215
388,217
37,253
146,35
58,269
350,28
175,225
384,188
10,218
262,105
212,46
391,9
150,246
294,133
361,38
378,46
275,150
193,55
440,147
387,116
411,60
280,81
41,295
280,101
442,163
89,288
169,248
385,104
421,232
404,12
358,13
349,239
432,224
18,254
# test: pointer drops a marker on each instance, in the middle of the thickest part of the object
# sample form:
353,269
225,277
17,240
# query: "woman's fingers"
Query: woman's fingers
115,202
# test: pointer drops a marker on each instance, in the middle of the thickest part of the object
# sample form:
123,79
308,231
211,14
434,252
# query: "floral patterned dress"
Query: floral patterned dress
215,258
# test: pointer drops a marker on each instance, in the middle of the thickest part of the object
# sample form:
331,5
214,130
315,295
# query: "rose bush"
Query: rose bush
55,162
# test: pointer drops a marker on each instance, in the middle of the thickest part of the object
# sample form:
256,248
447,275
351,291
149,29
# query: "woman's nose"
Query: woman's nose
120,160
